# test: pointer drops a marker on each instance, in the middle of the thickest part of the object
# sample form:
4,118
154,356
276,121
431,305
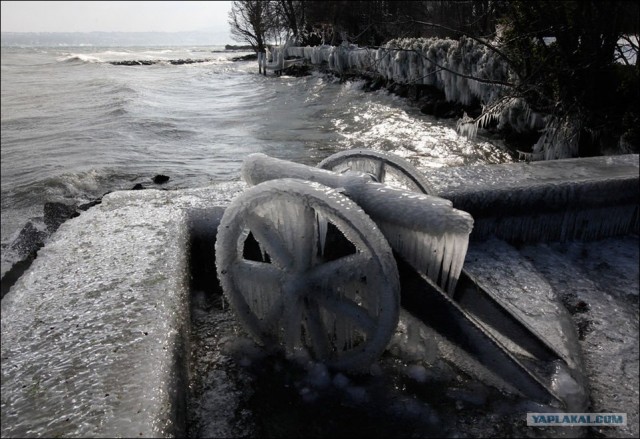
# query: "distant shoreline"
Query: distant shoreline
233,47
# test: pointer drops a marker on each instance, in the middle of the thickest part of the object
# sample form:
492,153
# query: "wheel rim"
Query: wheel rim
385,168
325,282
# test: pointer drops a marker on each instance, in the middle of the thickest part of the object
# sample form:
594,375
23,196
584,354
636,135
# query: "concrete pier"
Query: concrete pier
94,333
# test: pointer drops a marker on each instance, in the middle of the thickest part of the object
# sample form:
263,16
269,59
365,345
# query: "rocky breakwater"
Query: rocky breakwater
37,231
146,62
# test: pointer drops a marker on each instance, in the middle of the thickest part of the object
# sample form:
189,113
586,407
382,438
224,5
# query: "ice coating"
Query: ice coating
274,58
386,168
91,334
420,61
524,293
449,65
453,66
588,198
602,273
602,294
353,299
426,230
528,294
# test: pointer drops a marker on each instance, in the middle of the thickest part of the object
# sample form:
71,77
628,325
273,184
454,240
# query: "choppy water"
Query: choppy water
75,126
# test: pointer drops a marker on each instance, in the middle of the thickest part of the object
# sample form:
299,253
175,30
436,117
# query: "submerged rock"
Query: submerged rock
160,179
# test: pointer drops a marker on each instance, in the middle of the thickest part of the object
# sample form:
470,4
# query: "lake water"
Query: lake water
75,126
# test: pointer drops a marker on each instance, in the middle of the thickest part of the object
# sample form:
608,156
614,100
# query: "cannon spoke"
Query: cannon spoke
269,239
341,306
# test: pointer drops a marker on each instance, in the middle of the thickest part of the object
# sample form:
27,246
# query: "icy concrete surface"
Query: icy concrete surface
598,282
94,333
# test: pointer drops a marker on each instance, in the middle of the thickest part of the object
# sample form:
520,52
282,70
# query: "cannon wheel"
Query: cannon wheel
304,267
385,168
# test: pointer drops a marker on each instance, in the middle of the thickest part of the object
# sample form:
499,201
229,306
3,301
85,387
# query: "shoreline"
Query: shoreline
430,100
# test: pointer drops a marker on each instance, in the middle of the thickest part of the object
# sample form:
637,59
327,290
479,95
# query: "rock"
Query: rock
250,57
133,63
428,108
17,270
90,204
57,213
376,84
137,187
234,47
160,179
29,240
298,70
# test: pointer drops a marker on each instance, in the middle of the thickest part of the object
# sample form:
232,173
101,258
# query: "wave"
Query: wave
72,187
118,112
80,58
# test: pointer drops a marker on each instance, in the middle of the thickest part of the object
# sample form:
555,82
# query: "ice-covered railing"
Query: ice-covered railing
426,230
274,58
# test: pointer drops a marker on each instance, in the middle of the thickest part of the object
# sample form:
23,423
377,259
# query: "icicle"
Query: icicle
440,257
322,231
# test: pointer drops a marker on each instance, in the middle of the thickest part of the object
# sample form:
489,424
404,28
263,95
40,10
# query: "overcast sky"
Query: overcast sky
114,16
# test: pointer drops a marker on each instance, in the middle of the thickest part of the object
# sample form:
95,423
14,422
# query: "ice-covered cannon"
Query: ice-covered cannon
322,259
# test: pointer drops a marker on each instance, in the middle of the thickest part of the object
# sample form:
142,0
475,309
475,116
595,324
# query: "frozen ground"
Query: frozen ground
423,386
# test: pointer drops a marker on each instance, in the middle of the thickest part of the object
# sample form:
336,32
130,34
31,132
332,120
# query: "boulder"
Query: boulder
160,179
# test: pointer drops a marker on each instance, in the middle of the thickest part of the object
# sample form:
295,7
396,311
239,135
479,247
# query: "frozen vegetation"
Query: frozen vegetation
467,72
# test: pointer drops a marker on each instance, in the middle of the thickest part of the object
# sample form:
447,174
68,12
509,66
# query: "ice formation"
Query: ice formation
274,58
587,199
450,65
426,230
298,297
427,61
383,167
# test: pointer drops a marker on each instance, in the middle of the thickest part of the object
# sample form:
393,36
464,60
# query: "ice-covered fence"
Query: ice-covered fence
275,58
426,230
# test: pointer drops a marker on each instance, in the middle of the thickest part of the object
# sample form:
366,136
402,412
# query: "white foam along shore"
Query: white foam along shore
93,334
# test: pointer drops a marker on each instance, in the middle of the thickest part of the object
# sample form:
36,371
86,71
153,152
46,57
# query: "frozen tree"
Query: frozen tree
564,55
250,22
292,15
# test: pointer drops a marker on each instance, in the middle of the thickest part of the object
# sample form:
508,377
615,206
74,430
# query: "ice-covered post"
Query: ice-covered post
426,230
